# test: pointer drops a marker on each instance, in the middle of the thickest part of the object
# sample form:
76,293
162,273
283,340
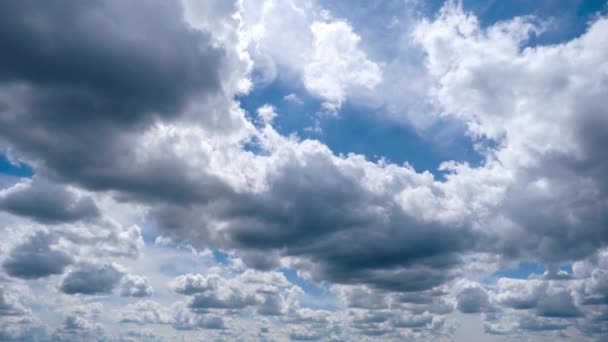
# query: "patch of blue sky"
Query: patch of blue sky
522,271
317,296
356,130
221,257
566,19
569,18
567,268
8,167
307,286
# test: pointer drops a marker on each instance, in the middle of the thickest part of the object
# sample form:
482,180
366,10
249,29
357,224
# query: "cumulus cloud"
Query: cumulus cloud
36,257
138,106
472,299
47,202
9,306
505,92
189,284
337,63
89,279
135,286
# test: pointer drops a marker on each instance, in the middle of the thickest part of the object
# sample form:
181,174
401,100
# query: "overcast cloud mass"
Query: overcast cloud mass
314,170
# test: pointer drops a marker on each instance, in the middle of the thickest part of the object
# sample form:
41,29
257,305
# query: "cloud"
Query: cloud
329,59
473,299
337,63
9,306
189,284
138,107
47,202
118,84
266,114
293,98
337,243
146,312
232,300
90,279
505,91
135,286
36,257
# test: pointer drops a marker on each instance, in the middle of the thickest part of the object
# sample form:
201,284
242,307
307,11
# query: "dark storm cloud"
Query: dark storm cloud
91,279
36,258
47,203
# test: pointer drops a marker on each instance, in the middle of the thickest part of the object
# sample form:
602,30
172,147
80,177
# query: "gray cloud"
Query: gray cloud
473,299
84,84
135,286
560,304
47,202
108,67
91,279
9,306
36,258
354,236
234,300
189,284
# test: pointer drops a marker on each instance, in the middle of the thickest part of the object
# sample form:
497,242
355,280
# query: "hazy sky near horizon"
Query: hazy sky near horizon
310,170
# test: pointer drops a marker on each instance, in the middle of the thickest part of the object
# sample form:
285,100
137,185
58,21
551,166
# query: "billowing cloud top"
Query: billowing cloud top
192,177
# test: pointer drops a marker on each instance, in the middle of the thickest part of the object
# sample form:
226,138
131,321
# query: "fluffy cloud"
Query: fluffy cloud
189,284
47,202
337,63
144,114
9,306
91,279
36,257
505,92
135,286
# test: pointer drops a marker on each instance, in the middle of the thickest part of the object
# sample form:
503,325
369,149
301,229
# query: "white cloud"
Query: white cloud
337,64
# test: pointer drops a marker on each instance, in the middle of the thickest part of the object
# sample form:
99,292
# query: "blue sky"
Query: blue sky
304,170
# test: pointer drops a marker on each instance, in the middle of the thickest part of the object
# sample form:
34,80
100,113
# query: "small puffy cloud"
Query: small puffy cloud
266,114
135,286
189,284
473,299
293,98
337,63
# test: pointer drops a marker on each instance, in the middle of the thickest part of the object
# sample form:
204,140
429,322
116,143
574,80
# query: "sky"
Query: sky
310,170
